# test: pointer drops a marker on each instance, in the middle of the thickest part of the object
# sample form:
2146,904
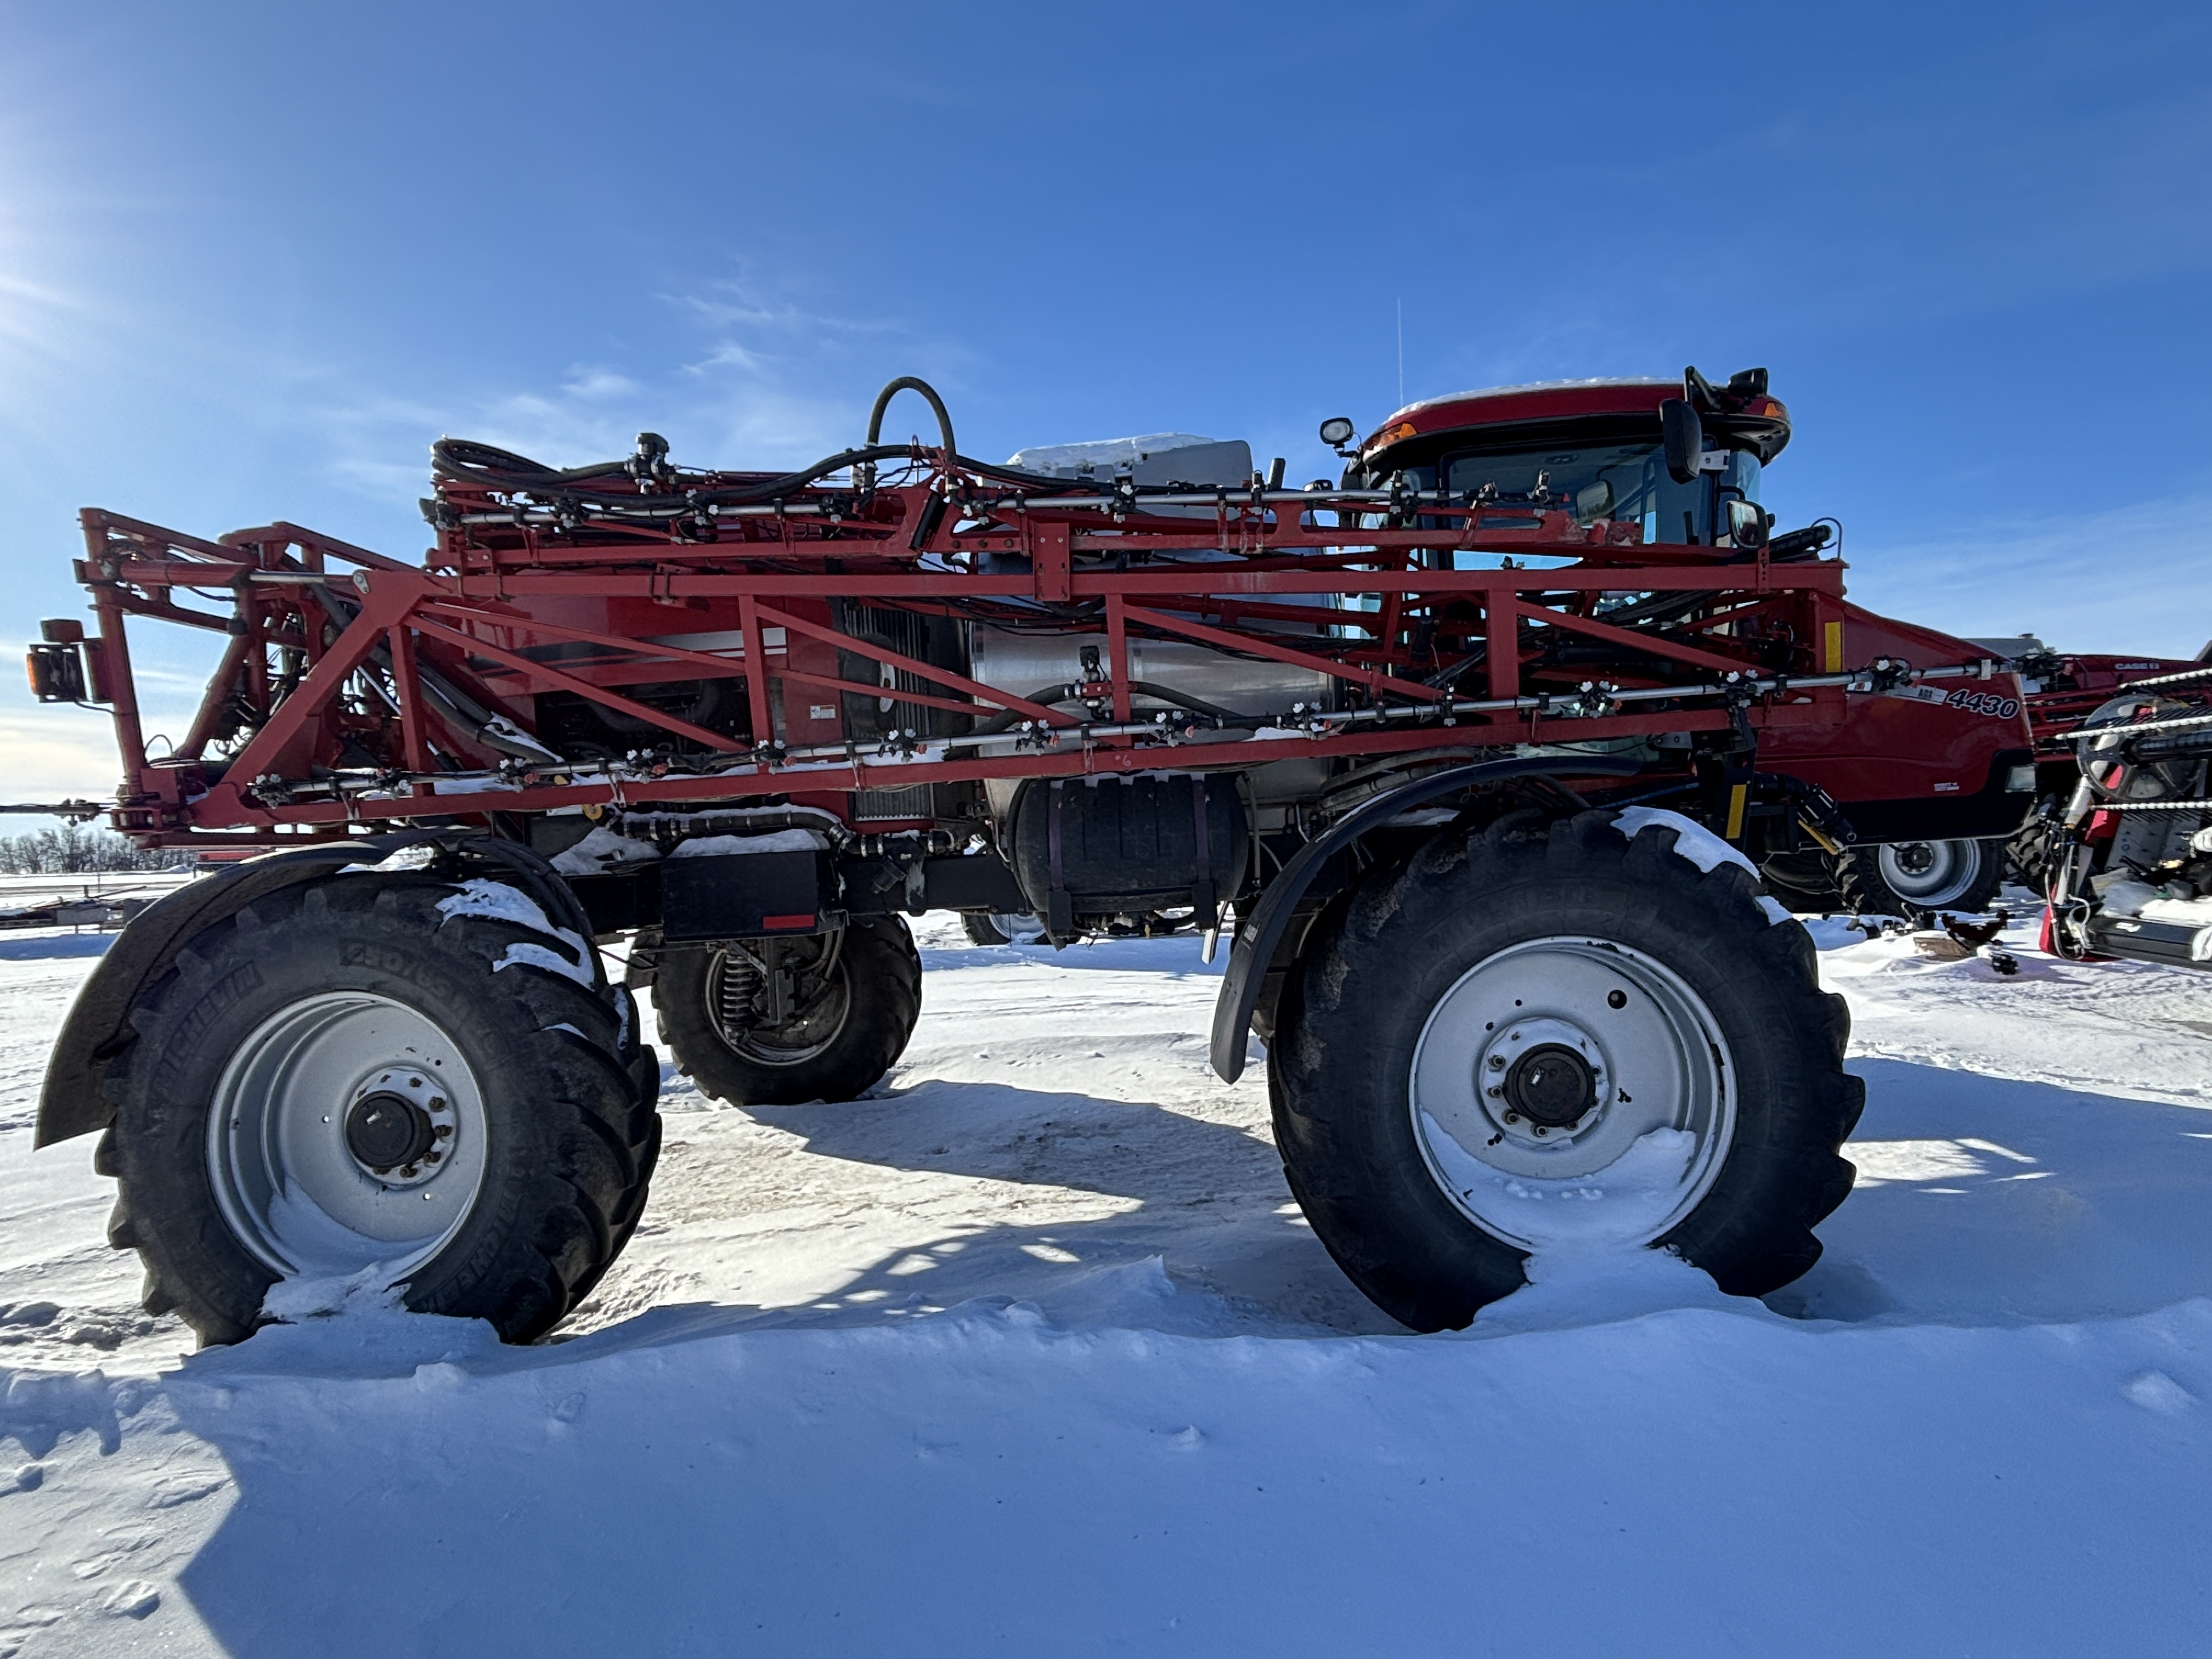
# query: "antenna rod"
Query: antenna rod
1402,354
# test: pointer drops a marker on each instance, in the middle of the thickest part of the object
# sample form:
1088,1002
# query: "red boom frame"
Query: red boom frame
324,677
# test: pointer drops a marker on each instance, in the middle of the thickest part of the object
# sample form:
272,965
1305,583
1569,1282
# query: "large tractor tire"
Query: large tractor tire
1910,879
1559,1036
850,1000
393,1072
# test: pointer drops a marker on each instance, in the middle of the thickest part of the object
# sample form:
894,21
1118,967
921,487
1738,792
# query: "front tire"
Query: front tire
1559,1037
850,1003
424,1078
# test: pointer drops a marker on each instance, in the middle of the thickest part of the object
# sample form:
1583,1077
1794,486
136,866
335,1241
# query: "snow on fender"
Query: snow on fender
1693,842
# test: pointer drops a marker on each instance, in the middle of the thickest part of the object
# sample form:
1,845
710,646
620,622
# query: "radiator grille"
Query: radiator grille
912,802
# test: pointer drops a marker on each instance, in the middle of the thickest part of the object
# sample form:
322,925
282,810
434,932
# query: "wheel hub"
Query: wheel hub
400,1127
385,1130
1551,1084
1916,858
1542,1078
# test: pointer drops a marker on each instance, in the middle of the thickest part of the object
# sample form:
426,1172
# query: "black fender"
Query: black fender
1260,933
72,1103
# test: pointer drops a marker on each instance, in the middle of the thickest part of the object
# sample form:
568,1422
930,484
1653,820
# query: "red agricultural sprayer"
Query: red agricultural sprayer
1477,751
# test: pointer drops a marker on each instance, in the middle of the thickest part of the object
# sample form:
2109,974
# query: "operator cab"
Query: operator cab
1670,456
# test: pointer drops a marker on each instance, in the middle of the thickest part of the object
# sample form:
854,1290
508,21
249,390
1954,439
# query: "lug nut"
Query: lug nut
440,1131
1497,1062
437,1103
1513,1117
1541,1132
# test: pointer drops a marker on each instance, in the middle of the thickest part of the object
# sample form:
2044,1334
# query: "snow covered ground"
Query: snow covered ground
1033,1354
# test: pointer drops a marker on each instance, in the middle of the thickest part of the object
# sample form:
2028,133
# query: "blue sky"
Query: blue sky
253,258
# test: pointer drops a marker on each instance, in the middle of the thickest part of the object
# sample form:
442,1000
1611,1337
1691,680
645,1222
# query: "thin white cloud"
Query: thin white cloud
2134,579
762,382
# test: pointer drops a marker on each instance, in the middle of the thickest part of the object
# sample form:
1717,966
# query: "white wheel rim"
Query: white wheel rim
1928,872
1657,1090
283,1140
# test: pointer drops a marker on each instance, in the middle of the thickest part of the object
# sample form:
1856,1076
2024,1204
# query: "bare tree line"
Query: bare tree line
73,849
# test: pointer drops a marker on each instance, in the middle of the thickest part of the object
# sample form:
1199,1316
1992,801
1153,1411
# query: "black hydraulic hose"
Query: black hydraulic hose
792,482
449,459
909,383
905,383
465,461
485,466
1044,481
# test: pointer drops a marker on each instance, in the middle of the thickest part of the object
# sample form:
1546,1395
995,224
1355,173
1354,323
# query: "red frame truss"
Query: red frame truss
350,683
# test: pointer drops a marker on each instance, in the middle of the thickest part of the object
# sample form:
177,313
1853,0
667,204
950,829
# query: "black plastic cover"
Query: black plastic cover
719,895
1091,847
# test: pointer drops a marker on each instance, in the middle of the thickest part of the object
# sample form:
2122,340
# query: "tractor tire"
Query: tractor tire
1915,878
385,1073
2029,852
855,996
998,928
1560,1013
982,930
1802,883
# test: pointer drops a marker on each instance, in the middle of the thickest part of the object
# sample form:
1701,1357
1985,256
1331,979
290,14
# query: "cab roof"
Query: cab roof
1554,411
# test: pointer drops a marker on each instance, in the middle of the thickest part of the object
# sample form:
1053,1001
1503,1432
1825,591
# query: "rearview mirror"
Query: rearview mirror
1336,431
1746,522
1682,436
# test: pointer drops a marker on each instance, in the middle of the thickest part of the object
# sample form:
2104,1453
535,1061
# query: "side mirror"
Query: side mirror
57,672
1682,437
1336,431
1746,522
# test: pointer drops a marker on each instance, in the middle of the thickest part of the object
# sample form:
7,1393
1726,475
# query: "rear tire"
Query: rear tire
1920,877
983,930
851,1021
1654,973
1000,928
326,1028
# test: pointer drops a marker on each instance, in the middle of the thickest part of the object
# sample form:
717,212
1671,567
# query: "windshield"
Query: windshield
1603,481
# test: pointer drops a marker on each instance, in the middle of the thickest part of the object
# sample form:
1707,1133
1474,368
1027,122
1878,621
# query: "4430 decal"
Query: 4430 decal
1994,704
